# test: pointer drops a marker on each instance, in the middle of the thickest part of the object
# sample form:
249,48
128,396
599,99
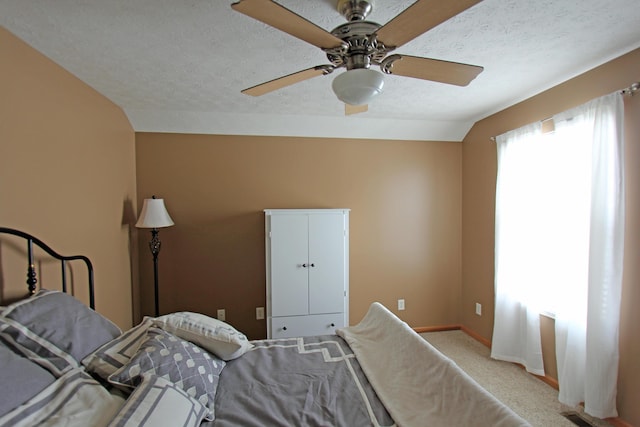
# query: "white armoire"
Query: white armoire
307,260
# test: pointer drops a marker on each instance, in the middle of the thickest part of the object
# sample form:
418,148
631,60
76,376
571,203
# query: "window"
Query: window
544,212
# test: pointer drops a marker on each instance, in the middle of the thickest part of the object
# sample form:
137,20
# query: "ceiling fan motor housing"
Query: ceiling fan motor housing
362,48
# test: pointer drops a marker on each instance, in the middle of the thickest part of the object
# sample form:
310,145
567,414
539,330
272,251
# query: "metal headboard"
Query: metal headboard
31,270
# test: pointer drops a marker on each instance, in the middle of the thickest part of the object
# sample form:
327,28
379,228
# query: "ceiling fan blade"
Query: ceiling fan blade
355,109
288,80
280,17
418,18
453,73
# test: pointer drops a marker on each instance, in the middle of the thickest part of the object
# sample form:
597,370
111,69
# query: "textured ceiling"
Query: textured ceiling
179,66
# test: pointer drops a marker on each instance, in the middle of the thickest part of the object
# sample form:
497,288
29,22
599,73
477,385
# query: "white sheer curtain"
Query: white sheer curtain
587,333
559,243
516,330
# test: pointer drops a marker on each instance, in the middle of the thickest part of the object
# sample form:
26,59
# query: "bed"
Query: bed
66,365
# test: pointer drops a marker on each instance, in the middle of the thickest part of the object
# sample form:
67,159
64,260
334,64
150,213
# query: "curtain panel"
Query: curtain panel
559,248
516,330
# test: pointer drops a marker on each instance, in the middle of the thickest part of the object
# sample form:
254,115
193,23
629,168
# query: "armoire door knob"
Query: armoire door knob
284,328
304,265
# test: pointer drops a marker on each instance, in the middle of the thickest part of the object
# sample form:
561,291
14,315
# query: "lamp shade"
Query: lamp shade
358,86
154,215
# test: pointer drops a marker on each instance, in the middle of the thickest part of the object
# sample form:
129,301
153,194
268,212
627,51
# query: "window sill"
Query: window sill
548,314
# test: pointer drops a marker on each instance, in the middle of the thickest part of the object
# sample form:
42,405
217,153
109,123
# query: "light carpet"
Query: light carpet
528,396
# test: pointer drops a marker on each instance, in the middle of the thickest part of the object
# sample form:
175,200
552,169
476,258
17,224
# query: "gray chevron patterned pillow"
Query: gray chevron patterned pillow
181,362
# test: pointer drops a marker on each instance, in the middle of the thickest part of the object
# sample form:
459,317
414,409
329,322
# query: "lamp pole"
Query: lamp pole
155,245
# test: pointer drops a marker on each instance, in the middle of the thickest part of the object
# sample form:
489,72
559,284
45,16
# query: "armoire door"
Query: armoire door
326,263
289,265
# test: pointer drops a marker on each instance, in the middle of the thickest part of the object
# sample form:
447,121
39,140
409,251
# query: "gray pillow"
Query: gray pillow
183,363
158,402
114,354
21,379
75,399
36,349
63,321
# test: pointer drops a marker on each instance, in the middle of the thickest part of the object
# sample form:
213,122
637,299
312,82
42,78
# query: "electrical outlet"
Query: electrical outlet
221,314
259,313
479,309
400,304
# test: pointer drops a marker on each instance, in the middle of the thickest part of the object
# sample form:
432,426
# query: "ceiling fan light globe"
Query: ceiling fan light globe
358,86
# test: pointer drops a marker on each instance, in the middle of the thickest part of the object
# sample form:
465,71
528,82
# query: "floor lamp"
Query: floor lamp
154,215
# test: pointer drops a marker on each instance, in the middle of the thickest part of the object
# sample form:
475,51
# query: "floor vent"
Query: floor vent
575,418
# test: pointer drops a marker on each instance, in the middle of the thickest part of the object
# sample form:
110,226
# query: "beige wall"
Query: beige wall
66,173
479,175
405,219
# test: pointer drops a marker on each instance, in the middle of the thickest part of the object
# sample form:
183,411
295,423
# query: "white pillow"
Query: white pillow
214,335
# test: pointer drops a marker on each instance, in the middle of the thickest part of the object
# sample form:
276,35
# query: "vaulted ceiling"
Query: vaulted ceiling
179,66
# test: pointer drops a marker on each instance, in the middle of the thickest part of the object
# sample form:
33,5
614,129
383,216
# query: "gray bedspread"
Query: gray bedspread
311,381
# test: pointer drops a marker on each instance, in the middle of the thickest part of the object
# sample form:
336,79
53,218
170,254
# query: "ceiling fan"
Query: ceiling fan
358,44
